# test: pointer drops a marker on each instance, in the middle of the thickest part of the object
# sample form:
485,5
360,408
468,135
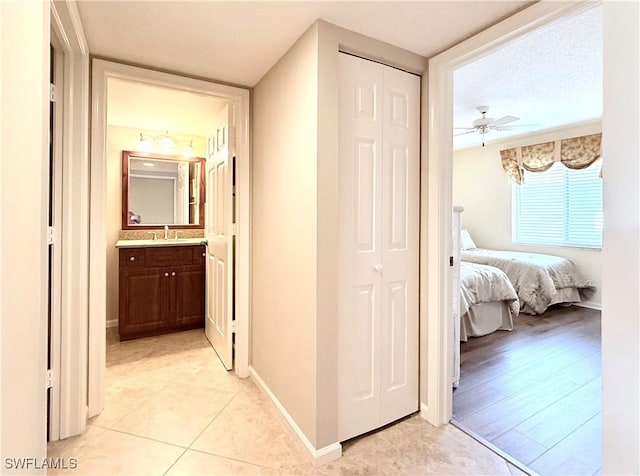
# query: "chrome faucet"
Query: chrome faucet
154,234
166,232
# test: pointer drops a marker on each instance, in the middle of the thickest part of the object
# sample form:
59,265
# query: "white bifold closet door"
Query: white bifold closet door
379,219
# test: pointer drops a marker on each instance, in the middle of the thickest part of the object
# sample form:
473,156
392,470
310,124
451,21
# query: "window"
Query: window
559,207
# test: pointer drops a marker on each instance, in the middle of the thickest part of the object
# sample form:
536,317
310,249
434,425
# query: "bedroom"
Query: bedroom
557,93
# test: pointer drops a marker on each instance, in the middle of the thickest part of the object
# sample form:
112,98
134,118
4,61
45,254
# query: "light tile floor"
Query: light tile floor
172,409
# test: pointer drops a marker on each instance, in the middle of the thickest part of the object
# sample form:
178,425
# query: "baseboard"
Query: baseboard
112,323
589,305
318,457
424,411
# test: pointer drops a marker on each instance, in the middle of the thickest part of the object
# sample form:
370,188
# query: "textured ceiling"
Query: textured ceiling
238,41
161,109
551,78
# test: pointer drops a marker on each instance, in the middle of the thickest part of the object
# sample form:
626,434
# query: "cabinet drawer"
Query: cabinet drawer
132,257
169,256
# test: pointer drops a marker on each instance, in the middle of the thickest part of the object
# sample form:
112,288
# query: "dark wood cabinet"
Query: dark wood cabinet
161,290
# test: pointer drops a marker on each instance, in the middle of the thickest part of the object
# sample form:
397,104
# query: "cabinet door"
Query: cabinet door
189,297
143,302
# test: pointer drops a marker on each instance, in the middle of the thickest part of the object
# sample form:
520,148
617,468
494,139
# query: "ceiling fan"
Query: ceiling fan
485,124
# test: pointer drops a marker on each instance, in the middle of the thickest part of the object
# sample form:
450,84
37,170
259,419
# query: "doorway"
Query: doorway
531,375
436,302
103,73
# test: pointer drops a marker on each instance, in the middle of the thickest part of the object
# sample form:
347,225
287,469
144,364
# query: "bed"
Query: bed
539,280
488,301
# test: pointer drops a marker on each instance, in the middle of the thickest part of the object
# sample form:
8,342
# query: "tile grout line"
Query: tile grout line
144,437
174,463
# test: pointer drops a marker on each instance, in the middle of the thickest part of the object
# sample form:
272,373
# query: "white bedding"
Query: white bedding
479,285
539,280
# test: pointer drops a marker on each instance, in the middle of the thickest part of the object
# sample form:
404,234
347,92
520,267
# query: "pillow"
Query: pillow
465,241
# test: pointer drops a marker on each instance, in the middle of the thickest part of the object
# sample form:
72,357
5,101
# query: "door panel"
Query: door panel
400,211
378,301
359,299
219,224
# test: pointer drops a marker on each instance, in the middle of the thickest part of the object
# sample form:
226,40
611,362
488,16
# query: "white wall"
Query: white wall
295,223
484,190
24,105
119,139
621,256
283,228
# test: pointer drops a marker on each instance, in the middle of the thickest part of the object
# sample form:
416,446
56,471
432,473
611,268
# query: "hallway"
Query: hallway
171,408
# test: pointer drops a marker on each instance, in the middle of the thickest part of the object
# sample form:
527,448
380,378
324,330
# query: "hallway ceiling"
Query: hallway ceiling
238,41
551,78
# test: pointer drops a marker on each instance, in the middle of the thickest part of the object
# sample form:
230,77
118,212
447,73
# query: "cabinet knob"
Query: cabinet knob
378,268
173,273
132,258
204,254
166,274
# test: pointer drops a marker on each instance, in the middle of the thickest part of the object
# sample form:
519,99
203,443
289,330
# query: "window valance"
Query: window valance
575,153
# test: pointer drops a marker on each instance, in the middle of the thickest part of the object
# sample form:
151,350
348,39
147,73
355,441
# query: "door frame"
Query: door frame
436,306
66,27
102,70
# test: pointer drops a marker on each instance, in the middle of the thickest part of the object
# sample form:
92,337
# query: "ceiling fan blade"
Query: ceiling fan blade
504,120
466,128
463,133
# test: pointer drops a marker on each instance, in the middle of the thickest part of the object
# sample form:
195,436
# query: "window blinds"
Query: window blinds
559,207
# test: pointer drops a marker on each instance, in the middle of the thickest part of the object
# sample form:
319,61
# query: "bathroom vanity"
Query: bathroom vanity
161,286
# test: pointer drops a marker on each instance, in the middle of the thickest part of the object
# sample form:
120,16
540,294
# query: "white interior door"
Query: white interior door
400,192
219,233
379,196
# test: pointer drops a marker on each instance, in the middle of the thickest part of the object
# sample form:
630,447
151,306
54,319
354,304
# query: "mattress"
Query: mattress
488,301
539,280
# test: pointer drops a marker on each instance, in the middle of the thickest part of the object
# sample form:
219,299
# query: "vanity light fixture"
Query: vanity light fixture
165,142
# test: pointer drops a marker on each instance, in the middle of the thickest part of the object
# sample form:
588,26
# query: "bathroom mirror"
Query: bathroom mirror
159,190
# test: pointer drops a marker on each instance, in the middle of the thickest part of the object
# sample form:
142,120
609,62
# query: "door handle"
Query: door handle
378,268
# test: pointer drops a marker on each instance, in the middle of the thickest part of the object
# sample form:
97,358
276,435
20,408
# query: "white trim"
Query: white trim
112,323
437,175
424,411
55,245
318,457
74,230
589,305
102,71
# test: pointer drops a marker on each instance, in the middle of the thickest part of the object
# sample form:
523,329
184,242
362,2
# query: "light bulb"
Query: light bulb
144,144
187,151
167,142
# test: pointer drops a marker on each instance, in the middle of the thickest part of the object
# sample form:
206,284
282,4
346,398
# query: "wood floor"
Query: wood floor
535,392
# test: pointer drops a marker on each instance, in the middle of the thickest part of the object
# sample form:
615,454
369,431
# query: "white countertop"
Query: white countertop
160,242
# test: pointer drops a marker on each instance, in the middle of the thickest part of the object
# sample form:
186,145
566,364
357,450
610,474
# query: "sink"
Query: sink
160,242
